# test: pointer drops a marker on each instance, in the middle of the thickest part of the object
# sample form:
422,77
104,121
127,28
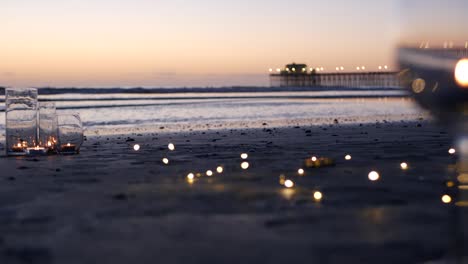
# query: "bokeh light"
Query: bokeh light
289,184
461,73
374,176
446,199
171,147
318,196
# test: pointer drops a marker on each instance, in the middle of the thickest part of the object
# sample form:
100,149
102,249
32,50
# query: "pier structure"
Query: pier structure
299,75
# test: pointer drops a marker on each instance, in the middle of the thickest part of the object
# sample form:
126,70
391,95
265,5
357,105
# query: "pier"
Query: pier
299,75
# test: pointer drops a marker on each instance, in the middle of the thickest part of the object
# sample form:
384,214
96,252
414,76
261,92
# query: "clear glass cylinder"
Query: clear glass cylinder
48,126
21,120
70,133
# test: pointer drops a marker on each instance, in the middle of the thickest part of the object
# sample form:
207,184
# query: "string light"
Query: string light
219,169
171,147
244,156
245,165
318,196
348,157
289,184
209,173
300,171
404,166
190,176
165,161
446,199
374,176
136,147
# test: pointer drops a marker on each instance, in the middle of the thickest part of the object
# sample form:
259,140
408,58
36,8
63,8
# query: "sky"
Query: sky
154,43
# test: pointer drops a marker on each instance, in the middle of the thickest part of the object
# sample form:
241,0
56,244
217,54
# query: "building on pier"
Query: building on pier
299,75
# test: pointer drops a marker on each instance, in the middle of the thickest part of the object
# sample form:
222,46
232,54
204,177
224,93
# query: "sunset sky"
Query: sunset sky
101,43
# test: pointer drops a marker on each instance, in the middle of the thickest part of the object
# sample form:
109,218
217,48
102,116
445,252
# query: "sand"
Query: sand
111,204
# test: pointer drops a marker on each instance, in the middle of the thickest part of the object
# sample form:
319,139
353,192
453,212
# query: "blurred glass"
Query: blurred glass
433,45
70,133
433,59
48,126
21,120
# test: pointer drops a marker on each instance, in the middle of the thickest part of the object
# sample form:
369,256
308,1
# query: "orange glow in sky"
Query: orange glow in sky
181,43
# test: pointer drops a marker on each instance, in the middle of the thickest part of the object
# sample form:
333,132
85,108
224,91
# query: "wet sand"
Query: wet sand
111,204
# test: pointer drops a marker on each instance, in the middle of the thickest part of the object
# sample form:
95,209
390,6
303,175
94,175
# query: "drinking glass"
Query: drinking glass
70,133
48,126
21,120
433,58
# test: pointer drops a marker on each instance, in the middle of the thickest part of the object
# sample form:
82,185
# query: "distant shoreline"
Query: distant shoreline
234,89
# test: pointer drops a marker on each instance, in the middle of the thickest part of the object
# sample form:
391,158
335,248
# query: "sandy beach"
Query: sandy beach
112,204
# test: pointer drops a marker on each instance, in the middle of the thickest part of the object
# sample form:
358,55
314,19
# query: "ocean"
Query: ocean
115,111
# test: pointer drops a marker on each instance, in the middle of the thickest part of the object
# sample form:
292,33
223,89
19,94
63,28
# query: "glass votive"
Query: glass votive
70,134
21,120
48,126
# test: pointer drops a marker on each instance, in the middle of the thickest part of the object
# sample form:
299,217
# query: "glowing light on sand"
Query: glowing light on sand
244,156
278,70
321,69
171,147
342,68
318,196
363,67
190,176
245,165
461,73
385,67
300,172
313,158
337,68
374,176
288,184
452,151
136,147
270,70
404,166
358,68
380,67
220,169
165,161
209,173
446,199
348,157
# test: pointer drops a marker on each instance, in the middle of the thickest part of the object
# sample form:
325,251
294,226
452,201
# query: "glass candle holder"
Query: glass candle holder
21,120
70,134
48,126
